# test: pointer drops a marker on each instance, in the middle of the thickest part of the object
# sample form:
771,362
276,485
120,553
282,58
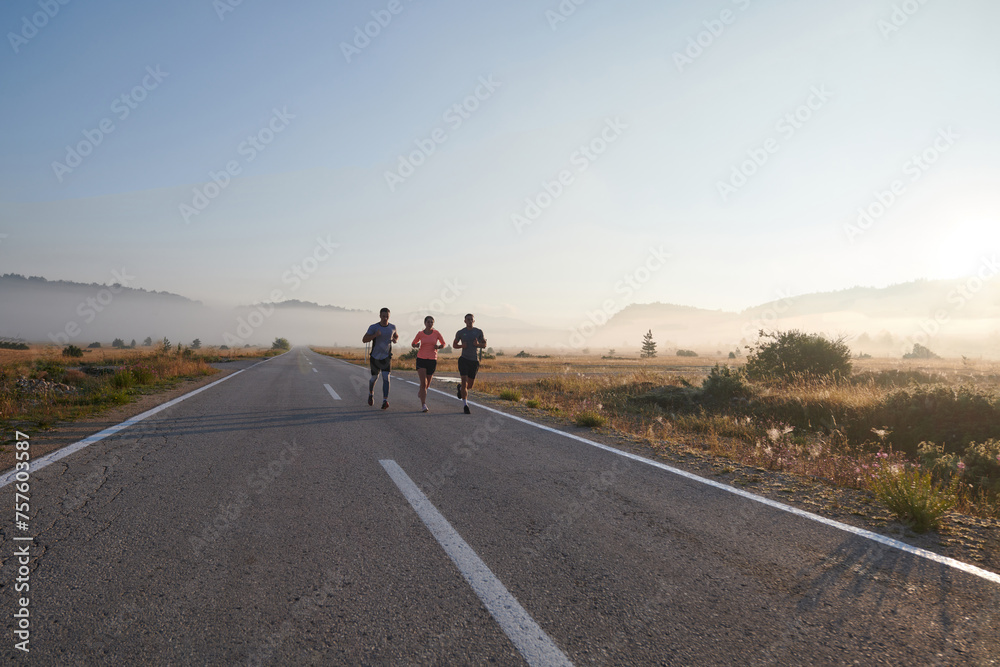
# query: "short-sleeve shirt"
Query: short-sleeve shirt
427,342
469,338
382,344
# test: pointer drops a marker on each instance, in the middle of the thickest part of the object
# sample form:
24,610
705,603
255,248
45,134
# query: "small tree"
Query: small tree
132,344
148,341
281,344
117,342
95,345
72,351
648,346
196,344
166,344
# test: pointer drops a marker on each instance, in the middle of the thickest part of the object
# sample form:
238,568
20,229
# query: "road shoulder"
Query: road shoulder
66,433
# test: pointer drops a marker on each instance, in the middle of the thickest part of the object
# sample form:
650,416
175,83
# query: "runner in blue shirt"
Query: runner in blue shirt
381,335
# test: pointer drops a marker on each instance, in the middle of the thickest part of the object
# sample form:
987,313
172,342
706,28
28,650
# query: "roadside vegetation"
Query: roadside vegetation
44,384
923,437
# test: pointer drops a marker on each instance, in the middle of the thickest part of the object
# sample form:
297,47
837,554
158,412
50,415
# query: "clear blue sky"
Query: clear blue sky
676,122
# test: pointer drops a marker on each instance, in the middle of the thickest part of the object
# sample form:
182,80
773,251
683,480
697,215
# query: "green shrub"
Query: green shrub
672,399
142,374
590,419
72,351
982,465
952,417
724,384
510,395
978,465
913,496
122,379
788,354
412,354
686,353
533,403
278,344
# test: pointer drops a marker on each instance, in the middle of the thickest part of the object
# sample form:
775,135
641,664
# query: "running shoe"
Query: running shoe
371,399
458,390
467,410
424,409
385,404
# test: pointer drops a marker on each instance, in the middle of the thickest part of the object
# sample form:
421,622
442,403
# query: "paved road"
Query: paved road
265,521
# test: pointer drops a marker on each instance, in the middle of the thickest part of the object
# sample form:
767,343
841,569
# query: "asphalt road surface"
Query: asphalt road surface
276,518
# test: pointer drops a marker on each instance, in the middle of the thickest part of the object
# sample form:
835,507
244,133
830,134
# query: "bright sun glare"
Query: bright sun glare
965,246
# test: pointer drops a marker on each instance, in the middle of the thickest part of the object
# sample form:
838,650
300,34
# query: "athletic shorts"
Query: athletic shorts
468,367
380,365
428,365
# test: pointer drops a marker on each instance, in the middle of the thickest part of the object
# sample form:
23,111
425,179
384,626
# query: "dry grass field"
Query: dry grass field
40,387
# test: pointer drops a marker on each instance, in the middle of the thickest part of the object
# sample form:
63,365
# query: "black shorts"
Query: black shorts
468,367
429,365
379,365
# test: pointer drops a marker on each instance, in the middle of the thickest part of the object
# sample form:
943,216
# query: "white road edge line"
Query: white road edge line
332,392
860,532
529,638
52,457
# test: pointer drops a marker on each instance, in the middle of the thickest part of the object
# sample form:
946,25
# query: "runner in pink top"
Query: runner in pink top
429,341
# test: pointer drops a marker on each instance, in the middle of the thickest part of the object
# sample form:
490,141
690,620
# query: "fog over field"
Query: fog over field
950,317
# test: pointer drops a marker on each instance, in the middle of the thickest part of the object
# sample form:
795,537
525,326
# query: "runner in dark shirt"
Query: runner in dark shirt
469,340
